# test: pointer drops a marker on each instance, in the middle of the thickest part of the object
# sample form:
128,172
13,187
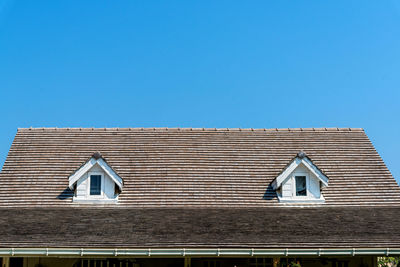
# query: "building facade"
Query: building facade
80,197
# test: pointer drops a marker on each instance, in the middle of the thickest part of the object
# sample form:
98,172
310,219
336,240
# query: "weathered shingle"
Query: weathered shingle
328,227
194,167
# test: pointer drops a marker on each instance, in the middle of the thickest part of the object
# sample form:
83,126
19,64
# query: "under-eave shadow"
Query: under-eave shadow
270,193
65,194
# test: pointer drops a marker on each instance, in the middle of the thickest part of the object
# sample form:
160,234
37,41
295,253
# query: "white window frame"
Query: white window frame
294,196
308,198
101,196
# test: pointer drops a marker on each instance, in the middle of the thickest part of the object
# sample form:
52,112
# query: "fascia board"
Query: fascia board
92,162
286,173
107,169
306,162
295,163
79,173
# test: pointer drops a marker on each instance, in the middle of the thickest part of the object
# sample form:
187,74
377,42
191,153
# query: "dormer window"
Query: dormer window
300,182
95,182
301,185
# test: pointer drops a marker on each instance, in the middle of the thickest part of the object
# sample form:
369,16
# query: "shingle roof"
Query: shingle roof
173,168
329,227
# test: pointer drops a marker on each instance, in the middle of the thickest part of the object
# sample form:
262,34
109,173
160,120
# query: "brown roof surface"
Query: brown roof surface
174,168
326,227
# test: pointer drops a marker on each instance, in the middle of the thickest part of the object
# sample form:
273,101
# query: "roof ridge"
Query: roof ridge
319,129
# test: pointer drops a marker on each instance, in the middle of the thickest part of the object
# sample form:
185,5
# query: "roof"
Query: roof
353,227
215,168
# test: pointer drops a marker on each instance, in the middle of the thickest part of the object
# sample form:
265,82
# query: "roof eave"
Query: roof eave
210,252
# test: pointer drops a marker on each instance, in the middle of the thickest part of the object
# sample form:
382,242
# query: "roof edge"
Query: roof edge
318,129
182,252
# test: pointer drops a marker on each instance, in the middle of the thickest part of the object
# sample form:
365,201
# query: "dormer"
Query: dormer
301,182
95,182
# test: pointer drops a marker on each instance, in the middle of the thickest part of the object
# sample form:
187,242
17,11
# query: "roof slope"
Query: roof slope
194,167
336,227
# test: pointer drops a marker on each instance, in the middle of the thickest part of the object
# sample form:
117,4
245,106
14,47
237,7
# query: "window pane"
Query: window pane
301,189
95,184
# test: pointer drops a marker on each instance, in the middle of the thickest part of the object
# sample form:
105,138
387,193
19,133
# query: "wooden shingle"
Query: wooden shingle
174,168
329,227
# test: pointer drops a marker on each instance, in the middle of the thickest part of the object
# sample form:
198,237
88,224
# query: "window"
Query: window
211,263
16,262
287,262
95,185
301,186
261,262
106,262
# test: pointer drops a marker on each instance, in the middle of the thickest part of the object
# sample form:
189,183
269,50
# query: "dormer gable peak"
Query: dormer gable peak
95,160
301,159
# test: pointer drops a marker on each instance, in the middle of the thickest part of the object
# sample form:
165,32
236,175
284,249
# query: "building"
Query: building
196,198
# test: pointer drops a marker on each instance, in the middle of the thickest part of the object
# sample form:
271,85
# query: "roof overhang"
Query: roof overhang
90,164
235,228
185,252
300,159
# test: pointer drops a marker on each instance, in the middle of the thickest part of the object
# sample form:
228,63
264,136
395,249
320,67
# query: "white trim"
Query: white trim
294,188
309,170
210,252
92,162
314,170
80,172
109,171
88,195
291,168
301,200
308,198
95,200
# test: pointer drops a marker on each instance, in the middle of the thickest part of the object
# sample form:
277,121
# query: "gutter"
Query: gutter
194,252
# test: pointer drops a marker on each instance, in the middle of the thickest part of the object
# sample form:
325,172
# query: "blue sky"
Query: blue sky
249,64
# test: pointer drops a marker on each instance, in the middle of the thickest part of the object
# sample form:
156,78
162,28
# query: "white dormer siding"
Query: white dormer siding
107,186
300,182
95,182
313,190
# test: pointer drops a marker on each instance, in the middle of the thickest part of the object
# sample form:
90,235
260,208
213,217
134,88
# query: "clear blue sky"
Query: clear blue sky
249,64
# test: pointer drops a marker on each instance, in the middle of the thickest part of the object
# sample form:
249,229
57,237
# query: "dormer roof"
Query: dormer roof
300,159
96,159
